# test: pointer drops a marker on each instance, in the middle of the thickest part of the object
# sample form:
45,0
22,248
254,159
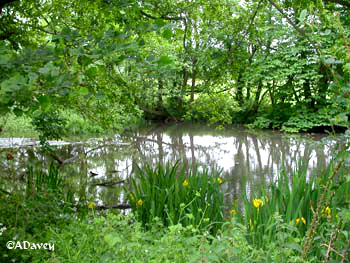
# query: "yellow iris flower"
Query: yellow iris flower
186,183
298,220
258,203
91,205
327,212
139,202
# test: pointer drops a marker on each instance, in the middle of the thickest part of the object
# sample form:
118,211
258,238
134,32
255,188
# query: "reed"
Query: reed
312,213
176,195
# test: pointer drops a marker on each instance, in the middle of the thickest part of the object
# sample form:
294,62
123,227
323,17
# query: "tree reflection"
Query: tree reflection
257,157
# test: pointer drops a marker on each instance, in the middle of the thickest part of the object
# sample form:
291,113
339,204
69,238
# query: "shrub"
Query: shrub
213,109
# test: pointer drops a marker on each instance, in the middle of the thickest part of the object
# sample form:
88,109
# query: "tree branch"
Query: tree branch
5,2
339,2
161,17
298,29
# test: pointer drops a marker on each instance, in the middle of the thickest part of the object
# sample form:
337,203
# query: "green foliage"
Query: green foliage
50,125
14,126
78,125
28,213
74,124
175,197
260,123
115,238
203,61
289,207
291,201
213,109
309,120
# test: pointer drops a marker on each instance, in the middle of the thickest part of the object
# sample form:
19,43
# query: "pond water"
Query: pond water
97,169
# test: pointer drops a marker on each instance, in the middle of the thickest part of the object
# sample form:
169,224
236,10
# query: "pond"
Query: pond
97,169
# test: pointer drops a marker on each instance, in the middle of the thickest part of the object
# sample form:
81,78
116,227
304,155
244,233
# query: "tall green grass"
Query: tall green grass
174,195
312,213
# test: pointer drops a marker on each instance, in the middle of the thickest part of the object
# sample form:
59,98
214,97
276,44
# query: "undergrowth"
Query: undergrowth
178,217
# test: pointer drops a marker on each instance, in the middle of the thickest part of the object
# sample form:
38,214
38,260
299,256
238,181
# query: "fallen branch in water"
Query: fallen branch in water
120,206
108,183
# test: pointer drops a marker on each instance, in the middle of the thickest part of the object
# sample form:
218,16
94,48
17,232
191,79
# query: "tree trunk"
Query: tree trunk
160,95
257,98
239,94
194,74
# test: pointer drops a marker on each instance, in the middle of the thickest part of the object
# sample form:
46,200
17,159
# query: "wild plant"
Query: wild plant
290,200
316,209
175,195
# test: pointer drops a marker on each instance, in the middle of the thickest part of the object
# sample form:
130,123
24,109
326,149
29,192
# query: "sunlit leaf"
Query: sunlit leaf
112,238
84,91
303,15
167,34
164,60
44,102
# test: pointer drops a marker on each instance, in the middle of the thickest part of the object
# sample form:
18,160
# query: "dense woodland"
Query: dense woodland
270,64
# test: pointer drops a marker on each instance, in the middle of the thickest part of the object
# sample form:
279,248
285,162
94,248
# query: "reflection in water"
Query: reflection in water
96,169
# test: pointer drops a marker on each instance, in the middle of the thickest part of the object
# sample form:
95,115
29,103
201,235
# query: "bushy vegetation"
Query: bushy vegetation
277,64
28,213
67,123
115,238
295,219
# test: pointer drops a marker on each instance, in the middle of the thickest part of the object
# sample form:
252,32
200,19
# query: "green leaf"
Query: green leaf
347,67
84,91
164,60
49,69
92,72
112,238
4,59
14,83
303,15
160,23
44,102
167,34
84,60
179,32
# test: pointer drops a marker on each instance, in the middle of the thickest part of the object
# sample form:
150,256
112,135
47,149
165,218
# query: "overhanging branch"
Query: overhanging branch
295,26
339,2
5,2
160,17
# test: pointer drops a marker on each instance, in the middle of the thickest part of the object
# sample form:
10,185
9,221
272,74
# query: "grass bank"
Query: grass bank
21,126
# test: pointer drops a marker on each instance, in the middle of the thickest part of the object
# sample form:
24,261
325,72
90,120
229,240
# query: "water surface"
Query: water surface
96,169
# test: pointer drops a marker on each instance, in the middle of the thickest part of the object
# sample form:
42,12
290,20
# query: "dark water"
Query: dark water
96,169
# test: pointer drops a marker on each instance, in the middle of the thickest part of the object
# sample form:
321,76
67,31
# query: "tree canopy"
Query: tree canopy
274,63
